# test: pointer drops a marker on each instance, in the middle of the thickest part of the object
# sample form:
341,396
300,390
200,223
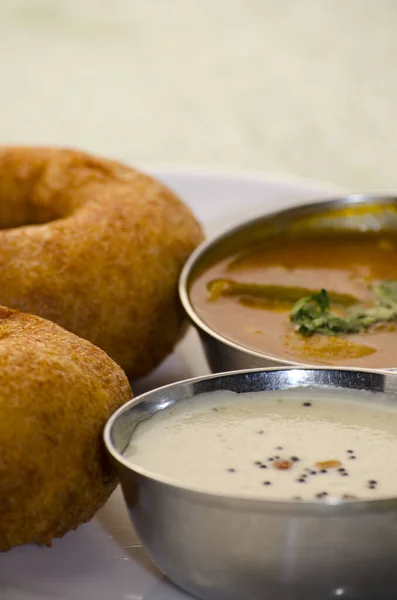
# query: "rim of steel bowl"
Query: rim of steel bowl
376,381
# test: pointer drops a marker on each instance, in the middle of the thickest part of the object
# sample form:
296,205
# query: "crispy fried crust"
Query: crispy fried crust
56,393
95,247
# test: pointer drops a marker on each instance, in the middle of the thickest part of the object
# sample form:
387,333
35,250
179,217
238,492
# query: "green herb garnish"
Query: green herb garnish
312,314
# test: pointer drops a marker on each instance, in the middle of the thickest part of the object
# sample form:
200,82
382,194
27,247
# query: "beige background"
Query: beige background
306,87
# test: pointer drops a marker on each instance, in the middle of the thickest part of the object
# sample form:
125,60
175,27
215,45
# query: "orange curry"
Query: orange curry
347,264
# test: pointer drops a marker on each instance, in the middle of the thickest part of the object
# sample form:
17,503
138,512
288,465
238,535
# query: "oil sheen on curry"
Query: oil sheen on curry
319,298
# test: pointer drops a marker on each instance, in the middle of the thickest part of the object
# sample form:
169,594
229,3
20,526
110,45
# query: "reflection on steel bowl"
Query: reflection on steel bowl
238,545
312,285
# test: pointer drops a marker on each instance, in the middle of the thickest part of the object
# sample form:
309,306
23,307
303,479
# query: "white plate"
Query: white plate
103,560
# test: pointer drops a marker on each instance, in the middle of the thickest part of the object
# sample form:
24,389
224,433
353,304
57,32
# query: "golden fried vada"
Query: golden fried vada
97,248
56,393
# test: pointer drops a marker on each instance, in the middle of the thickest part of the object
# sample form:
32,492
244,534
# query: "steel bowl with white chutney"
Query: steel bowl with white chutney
357,212
222,547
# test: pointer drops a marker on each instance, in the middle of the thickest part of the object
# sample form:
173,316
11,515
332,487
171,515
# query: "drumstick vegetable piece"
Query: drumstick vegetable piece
279,293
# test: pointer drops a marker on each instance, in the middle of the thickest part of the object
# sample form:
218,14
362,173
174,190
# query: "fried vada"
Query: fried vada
96,247
56,393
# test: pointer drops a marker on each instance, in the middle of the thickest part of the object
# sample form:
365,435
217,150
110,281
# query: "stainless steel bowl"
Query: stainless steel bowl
220,547
348,212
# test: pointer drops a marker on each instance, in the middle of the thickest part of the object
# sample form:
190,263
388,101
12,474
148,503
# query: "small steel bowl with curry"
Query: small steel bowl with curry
312,285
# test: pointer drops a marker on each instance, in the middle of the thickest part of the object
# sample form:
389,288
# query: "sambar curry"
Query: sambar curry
324,297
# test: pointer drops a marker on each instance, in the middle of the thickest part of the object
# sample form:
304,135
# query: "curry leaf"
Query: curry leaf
312,314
